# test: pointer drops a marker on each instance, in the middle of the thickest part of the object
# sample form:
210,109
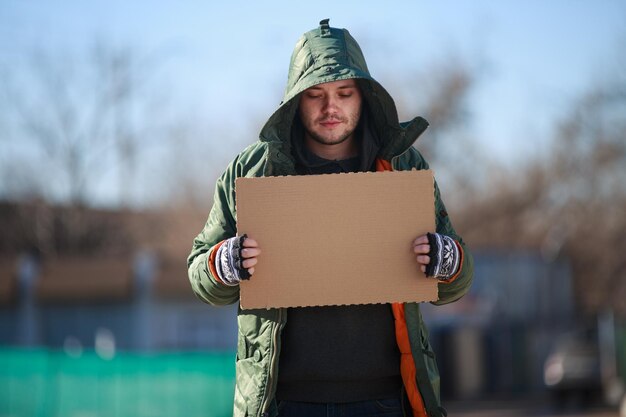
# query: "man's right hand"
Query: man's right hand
235,259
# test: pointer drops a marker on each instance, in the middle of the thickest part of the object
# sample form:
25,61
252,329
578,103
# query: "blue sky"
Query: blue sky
227,59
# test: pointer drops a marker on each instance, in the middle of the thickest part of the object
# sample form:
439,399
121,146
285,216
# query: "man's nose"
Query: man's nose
329,105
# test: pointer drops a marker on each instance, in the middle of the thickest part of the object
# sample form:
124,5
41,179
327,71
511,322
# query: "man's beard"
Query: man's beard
326,141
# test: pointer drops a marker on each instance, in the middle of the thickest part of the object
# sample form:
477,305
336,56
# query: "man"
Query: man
349,360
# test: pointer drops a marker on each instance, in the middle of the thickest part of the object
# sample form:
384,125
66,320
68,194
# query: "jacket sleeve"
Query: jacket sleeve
457,287
221,225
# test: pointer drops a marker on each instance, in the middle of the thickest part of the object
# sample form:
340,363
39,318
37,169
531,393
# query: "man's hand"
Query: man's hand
421,248
235,259
437,255
249,254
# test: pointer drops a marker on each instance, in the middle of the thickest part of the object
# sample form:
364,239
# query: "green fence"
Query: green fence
47,383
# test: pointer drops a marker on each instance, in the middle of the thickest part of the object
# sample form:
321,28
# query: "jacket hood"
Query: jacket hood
328,54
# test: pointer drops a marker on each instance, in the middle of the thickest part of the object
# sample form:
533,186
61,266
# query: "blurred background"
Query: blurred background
117,117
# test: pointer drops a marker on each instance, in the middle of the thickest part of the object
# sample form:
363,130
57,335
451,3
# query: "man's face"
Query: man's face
330,112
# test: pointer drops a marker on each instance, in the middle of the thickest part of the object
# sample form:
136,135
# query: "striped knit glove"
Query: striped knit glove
444,256
228,261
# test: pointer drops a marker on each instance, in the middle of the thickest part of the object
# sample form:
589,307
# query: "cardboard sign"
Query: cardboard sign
336,239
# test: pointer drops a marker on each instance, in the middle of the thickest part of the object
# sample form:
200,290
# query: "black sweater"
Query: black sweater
338,353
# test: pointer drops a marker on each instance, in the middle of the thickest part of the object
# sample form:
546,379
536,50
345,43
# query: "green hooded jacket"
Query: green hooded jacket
321,55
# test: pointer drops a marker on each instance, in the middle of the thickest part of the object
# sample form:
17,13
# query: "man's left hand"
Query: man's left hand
421,248
437,255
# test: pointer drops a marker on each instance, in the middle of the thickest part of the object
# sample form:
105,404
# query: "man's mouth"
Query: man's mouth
329,124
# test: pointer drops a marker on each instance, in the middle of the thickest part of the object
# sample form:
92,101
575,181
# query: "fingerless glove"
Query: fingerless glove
444,257
228,261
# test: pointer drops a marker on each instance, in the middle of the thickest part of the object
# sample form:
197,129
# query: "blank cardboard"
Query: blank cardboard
336,239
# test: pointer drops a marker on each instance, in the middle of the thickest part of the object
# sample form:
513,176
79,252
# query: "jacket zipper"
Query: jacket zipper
266,403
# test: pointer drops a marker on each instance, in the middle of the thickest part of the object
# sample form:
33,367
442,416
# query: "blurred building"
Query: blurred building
496,339
112,278
136,304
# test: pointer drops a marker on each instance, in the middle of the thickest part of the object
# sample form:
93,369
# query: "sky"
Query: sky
226,62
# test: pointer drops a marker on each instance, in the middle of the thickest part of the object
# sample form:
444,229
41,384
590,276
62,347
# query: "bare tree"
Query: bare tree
441,93
116,69
588,194
85,114
80,120
570,203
